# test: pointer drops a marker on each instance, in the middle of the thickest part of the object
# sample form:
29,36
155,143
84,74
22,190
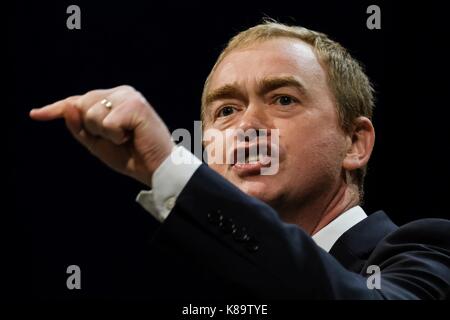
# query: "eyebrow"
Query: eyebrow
272,83
232,91
228,91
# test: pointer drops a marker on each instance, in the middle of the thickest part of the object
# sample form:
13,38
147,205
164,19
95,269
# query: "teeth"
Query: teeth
252,159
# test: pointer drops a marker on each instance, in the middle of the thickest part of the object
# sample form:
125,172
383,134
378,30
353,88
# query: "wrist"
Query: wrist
154,162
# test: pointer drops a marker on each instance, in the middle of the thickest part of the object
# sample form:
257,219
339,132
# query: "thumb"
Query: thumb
74,123
73,120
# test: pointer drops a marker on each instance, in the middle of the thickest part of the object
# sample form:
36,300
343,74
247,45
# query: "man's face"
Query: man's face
279,84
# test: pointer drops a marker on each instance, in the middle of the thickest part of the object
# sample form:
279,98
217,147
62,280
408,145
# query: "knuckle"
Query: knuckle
137,100
126,88
92,95
134,101
91,115
109,124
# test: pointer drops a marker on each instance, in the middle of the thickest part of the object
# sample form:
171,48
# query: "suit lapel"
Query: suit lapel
354,247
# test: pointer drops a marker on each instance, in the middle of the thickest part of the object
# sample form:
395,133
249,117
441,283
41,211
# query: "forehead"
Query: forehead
280,56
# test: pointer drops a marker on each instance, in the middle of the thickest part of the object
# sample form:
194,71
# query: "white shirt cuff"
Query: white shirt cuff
168,181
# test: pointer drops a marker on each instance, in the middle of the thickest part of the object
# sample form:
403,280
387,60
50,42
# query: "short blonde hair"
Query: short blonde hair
348,82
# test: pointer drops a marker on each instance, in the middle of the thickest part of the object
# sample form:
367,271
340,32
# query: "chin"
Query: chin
258,189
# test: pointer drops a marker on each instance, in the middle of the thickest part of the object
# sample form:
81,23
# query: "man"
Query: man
299,233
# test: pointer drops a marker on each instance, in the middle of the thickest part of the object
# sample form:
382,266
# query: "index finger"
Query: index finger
53,111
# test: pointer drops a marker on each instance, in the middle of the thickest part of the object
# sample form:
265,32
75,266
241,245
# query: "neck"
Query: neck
313,215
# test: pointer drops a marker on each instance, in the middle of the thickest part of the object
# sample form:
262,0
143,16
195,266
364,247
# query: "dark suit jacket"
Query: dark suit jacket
219,243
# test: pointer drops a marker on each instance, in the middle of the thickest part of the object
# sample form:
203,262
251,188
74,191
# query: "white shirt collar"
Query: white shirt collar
328,235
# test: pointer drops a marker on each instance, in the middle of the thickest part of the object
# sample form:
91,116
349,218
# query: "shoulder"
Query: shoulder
424,231
417,255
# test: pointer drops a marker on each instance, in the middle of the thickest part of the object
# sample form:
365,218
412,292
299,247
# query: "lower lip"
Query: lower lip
248,169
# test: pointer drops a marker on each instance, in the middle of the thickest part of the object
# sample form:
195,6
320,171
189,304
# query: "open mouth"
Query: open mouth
250,154
258,158
248,160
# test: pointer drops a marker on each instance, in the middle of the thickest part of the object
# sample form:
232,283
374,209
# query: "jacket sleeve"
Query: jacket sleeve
240,246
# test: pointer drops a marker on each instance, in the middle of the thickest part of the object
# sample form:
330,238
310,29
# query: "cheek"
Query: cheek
328,155
315,154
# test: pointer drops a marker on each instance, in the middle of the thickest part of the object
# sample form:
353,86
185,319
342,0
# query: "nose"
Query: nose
255,118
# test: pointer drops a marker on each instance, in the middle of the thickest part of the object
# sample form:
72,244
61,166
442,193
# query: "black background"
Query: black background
71,209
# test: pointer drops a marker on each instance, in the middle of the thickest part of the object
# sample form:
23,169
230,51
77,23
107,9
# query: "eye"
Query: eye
225,111
285,100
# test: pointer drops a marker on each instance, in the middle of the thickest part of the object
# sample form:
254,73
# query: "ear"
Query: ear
360,144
